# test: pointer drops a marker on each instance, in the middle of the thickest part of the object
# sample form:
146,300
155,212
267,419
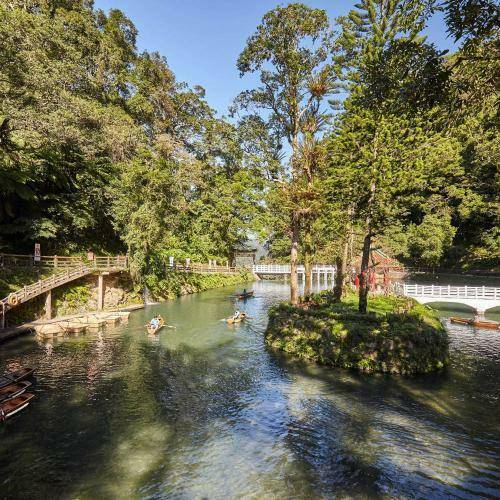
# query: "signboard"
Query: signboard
37,254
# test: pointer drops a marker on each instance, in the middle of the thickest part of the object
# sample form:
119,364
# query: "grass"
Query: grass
397,335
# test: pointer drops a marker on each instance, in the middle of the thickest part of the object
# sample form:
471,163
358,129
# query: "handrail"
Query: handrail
57,261
77,270
285,268
449,291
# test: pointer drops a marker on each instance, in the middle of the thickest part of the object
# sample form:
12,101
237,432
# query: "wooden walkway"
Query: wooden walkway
74,268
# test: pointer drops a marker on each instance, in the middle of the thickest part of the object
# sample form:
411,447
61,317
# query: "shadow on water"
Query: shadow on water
207,411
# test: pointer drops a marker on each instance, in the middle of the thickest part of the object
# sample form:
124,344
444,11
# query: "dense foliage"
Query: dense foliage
396,336
102,148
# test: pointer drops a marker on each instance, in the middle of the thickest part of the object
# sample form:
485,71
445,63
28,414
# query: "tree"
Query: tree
388,65
291,50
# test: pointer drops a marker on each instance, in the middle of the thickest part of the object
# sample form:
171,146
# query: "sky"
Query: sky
201,39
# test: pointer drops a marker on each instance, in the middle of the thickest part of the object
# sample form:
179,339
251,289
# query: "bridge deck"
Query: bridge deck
480,298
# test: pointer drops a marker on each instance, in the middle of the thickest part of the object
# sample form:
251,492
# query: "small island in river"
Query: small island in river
397,335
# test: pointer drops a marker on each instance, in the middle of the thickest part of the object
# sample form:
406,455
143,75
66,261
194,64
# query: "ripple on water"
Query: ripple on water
206,411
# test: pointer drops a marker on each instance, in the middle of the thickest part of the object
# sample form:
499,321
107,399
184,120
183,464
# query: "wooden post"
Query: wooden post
100,292
48,305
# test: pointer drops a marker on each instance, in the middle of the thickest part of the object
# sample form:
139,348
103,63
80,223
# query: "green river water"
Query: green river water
206,411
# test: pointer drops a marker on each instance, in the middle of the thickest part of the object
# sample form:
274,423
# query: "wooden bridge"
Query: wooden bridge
480,298
67,269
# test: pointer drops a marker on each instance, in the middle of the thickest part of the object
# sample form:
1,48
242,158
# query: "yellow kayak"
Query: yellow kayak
233,320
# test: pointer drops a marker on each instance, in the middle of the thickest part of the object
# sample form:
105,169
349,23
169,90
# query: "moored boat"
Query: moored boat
493,325
239,319
15,405
13,390
15,376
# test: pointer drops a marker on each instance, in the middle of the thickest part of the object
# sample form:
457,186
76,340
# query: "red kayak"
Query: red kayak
15,405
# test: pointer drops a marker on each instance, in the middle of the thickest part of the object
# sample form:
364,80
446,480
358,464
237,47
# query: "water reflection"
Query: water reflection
207,411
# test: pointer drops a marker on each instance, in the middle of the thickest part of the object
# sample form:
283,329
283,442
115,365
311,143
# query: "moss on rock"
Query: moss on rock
396,336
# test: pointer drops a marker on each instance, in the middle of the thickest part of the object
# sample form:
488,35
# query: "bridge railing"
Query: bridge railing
46,261
203,268
64,262
110,262
285,268
448,291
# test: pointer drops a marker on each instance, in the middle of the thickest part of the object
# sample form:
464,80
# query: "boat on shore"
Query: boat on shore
14,376
13,390
239,319
492,325
246,295
152,330
14,405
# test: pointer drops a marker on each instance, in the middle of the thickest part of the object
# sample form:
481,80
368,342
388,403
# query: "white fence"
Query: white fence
285,269
449,291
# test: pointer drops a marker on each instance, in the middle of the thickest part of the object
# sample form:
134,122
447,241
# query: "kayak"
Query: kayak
12,406
247,295
233,320
15,376
13,390
477,323
152,330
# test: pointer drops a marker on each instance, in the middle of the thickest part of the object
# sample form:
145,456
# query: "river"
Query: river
205,411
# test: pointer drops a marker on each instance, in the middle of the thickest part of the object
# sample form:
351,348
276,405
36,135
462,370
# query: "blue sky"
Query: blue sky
202,39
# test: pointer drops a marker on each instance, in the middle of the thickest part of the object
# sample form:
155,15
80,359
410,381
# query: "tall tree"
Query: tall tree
291,50
389,66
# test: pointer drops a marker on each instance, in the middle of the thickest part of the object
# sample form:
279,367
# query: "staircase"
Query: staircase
74,268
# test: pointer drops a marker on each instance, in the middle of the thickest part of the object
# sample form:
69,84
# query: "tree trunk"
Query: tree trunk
307,262
363,278
345,268
339,278
294,281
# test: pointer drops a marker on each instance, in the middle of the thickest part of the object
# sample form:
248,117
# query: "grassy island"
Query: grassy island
397,335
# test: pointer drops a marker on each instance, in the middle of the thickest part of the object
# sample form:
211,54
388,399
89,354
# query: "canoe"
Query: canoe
232,320
12,406
477,323
15,376
152,331
13,390
243,296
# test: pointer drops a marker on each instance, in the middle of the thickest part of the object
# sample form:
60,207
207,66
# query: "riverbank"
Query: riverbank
80,297
396,336
167,285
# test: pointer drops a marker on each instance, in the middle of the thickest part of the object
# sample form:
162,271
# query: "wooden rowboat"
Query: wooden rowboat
15,405
239,319
15,376
13,390
493,325
247,295
153,330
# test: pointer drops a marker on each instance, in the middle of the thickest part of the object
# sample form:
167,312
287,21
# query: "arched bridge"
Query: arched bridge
480,298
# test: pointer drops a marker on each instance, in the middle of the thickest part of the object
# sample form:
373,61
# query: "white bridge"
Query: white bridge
480,298
321,272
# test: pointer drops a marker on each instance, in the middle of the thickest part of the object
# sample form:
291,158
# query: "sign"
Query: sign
171,261
37,254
